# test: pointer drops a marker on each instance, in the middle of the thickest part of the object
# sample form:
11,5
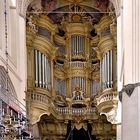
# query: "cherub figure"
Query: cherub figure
78,94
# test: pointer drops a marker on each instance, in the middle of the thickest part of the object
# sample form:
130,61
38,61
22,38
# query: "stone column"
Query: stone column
130,98
131,70
131,45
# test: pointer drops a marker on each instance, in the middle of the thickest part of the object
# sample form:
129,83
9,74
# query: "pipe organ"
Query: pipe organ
73,72
95,88
76,61
60,87
78,82
107,68
42,70
77,45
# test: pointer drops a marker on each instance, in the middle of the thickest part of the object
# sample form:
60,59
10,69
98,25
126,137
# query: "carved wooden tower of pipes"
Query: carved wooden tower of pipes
71,70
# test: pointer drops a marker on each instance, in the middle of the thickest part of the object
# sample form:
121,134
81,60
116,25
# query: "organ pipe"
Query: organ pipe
102,71
40,79
60,86
46,77
83,46
80,82
74,47
36,68
45,72
111,68
50,74
77,45
42,70
108,70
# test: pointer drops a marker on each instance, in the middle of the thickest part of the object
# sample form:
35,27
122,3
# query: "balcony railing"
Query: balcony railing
107,97
107,100
78,64
38,97
44,99
75,111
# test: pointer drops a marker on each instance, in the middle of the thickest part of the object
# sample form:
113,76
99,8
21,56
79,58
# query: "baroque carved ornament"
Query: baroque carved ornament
23,5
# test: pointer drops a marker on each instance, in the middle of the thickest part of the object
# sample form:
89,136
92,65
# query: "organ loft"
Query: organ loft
71,86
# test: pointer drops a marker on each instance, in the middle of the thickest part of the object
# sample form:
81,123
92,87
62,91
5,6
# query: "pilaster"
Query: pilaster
130,111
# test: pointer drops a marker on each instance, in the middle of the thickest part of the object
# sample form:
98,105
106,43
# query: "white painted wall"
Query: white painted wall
16,47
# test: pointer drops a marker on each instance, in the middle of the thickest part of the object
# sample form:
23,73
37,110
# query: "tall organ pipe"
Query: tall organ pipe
36,68
74,47
40,79
77,44
108,70
105,70
43,71
47,75
80,45
111,68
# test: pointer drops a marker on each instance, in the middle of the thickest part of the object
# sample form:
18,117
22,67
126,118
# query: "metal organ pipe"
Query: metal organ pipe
83,87
71,43
73,46
48,74
40,79
81,82
43,71
83,45
111,68
36,68
101,73
79,38
77,45
105,70
78,81
108,70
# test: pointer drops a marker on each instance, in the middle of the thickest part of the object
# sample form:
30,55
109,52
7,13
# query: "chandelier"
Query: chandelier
13,124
